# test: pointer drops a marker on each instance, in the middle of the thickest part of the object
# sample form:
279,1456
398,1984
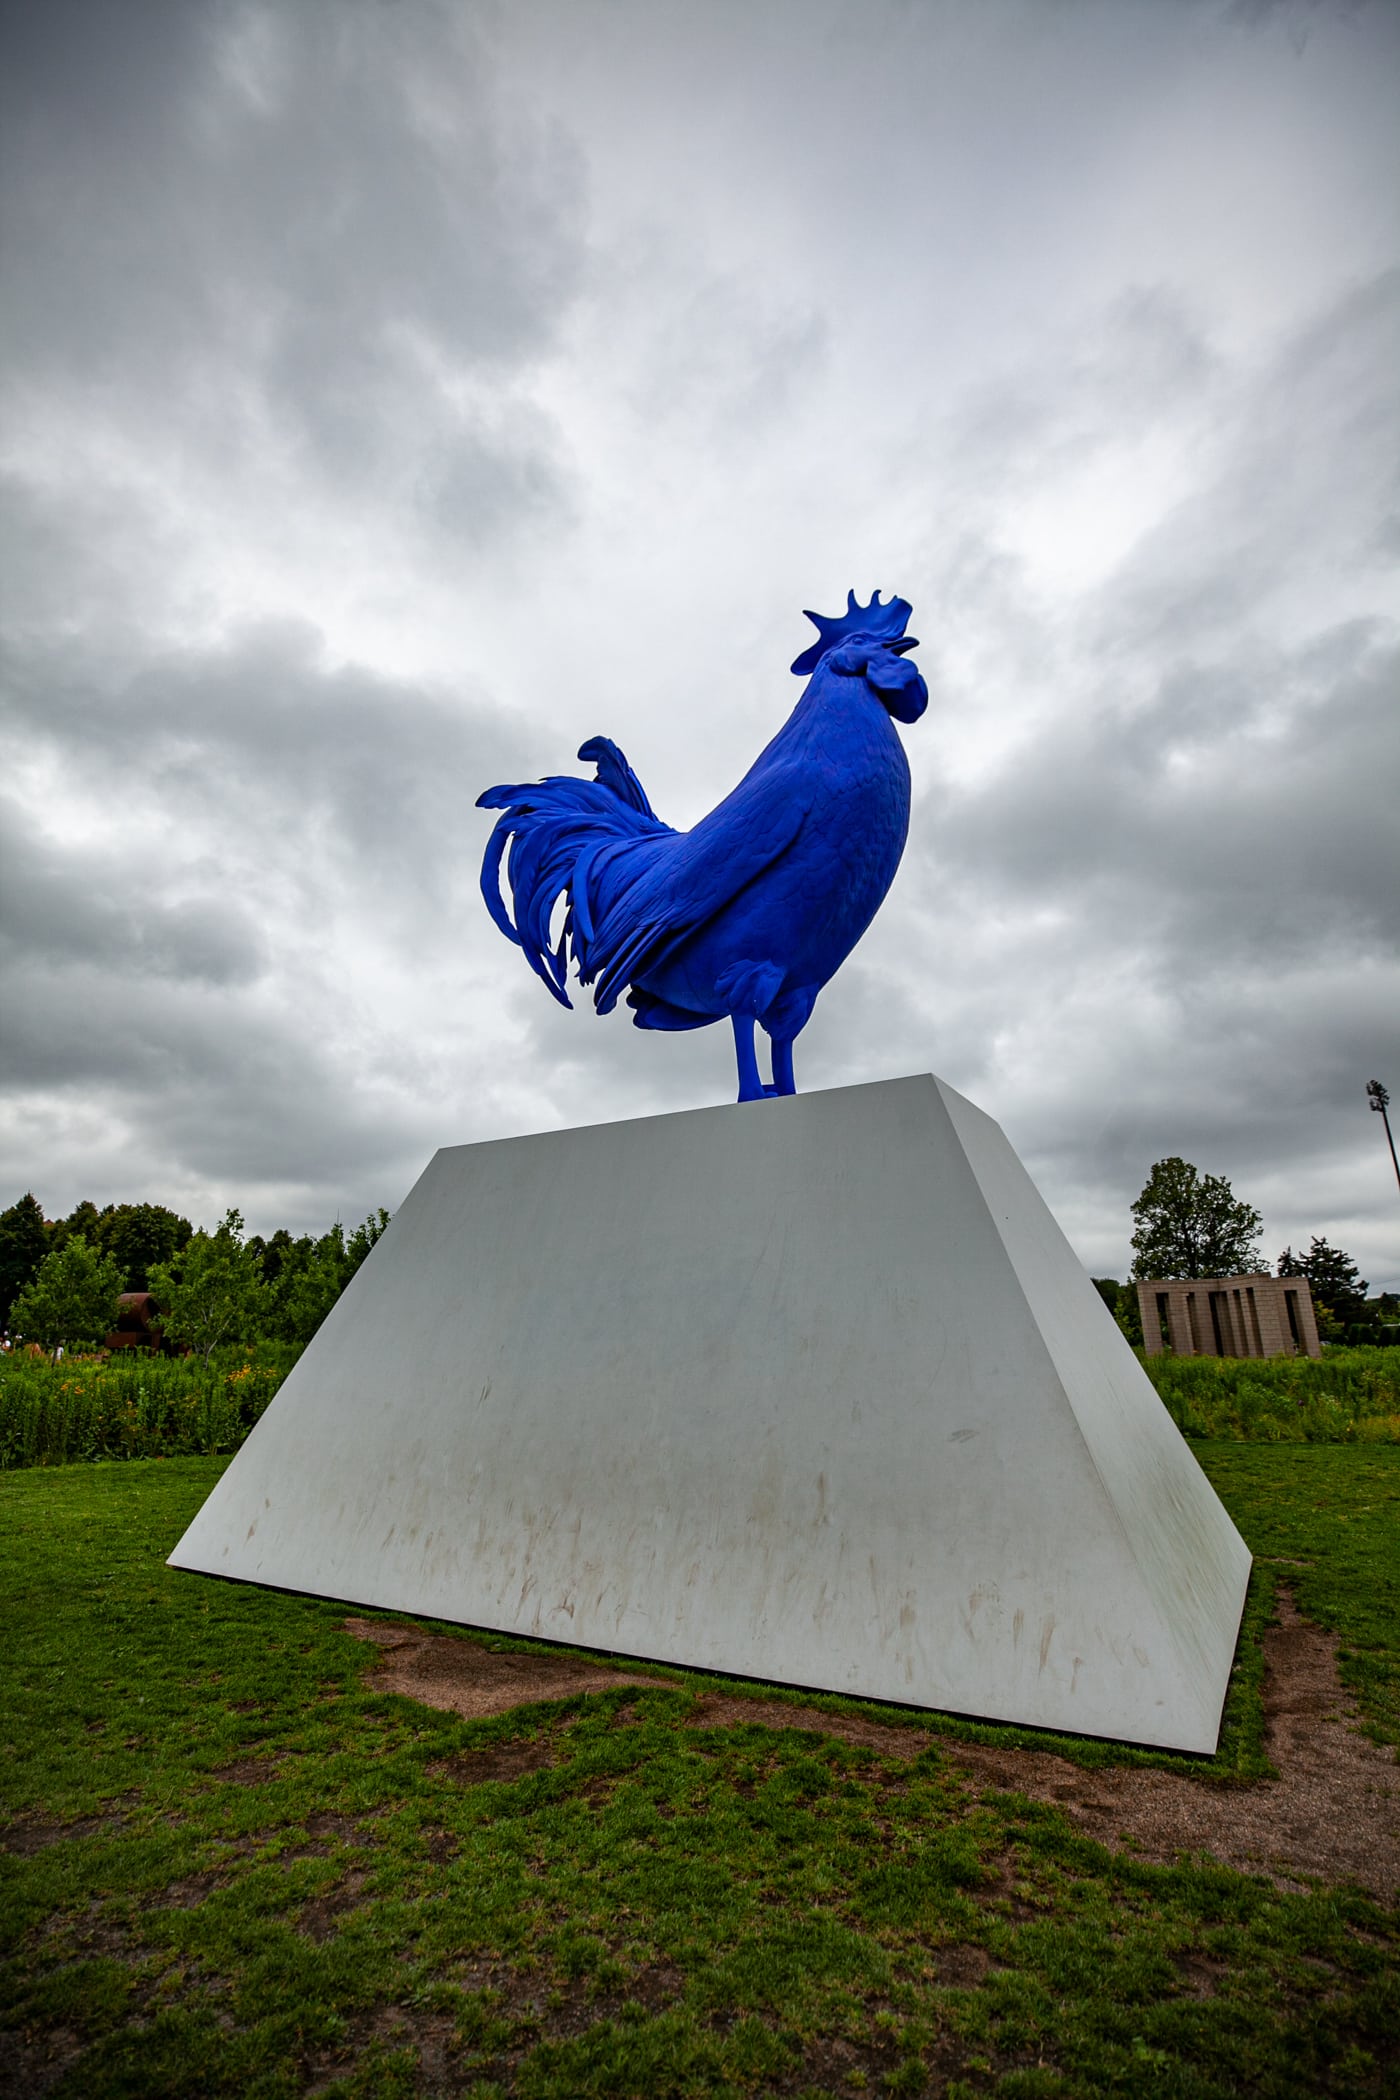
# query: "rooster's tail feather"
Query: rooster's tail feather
562,833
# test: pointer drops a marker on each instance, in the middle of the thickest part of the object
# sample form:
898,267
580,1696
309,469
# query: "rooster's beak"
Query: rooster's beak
905,642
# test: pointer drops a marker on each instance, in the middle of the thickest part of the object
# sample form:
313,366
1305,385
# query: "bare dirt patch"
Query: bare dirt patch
321,1916
463,1676
720,1710
188,1893
30,1834
1333,1814
432,2037
498,1761
31,2065
325,1823
89,1934
962,1965
323,1833
248,1771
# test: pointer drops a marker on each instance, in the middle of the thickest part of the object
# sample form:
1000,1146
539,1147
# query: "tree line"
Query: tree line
60,1279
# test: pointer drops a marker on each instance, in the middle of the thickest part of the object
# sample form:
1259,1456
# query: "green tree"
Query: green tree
71,1299
1189,1224
309,1286
1122,1301
24,1241
1332,1278
213,1290
272,1253
82,1222
1129,1315
311,1274
365,1237
140,1235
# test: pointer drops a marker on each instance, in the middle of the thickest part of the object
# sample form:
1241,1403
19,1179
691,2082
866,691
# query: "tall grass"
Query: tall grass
134,1405
1349,1396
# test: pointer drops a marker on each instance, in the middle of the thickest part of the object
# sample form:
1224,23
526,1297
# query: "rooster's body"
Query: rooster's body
748,914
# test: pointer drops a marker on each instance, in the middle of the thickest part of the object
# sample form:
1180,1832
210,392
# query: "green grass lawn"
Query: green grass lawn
233,1870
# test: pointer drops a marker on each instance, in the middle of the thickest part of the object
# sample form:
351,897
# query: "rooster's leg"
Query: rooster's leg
751,1087
783,1081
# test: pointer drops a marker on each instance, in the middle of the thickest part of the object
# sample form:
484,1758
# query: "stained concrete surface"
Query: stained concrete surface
810,1390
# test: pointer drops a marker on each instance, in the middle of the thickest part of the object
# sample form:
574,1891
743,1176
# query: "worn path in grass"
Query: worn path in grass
238,1866
1332,1813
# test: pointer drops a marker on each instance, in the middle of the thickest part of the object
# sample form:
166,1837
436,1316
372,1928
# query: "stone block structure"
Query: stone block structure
1228,1316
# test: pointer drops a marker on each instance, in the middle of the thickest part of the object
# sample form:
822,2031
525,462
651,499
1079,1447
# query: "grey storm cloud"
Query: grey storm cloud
395,395
309,225
177,968
94,907
1254,837
1310,490
261,738
1203,773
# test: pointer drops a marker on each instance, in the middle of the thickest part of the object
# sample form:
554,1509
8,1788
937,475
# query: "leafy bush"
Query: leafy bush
71,1298
305,1277
213,1291
1349,1396
135,1405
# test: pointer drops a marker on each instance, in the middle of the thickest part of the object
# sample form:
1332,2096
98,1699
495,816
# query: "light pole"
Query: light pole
1380,1101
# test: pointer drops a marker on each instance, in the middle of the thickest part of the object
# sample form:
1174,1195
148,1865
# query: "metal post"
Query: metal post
1380,1101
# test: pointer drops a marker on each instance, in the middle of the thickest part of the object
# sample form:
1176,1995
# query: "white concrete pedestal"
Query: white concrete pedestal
811,1390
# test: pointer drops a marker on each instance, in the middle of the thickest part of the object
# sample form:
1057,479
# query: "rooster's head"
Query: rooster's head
869,642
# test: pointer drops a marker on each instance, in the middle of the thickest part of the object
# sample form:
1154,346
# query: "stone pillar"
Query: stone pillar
1185,1336
1151,1318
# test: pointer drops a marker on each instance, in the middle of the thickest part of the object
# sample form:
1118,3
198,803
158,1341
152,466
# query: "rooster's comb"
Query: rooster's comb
887,621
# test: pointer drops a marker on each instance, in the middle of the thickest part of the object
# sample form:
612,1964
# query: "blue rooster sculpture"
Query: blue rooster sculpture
751,912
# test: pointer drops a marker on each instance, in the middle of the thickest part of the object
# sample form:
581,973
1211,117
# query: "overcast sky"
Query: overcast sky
397,393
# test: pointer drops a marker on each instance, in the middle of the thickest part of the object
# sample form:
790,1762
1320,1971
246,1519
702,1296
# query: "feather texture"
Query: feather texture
752,911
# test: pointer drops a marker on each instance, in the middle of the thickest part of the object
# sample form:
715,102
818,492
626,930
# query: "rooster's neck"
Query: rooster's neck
837,714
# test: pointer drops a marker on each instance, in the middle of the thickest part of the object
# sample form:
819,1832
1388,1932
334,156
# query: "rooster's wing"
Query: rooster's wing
663,892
